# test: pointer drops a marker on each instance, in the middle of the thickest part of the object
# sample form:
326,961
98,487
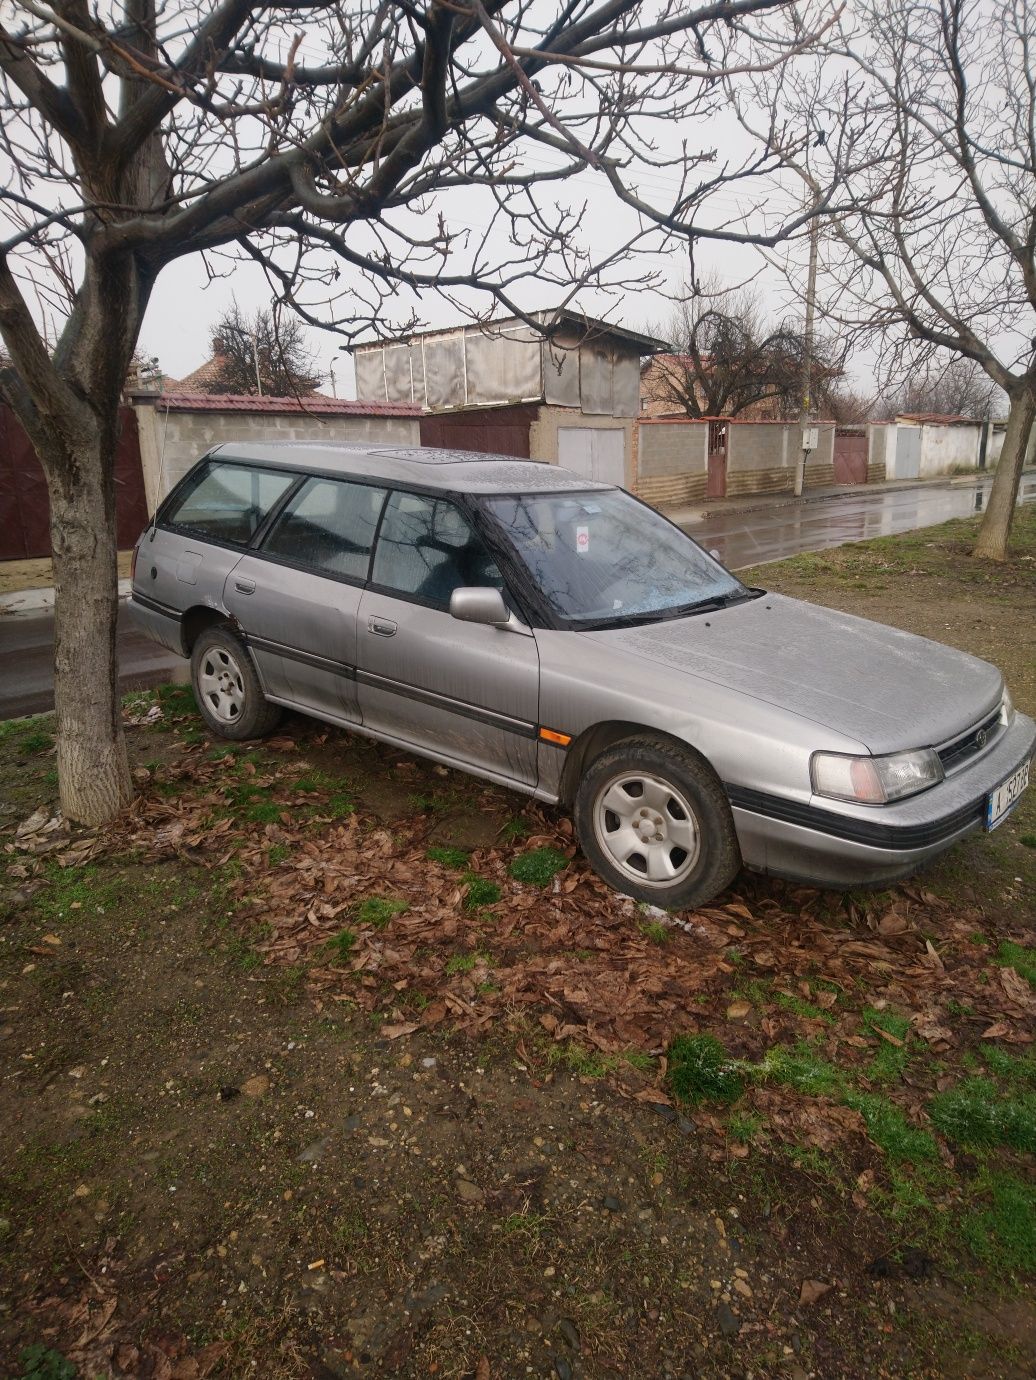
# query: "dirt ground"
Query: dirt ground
326,1062
39,574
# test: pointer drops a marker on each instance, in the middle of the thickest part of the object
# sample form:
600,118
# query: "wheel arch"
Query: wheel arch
600,737
196,619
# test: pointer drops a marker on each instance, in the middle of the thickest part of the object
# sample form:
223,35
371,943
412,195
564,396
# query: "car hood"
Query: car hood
885,688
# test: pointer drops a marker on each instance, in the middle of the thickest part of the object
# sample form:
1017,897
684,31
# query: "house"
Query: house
559,387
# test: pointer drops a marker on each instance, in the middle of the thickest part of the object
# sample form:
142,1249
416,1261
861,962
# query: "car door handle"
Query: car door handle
384,627
244,586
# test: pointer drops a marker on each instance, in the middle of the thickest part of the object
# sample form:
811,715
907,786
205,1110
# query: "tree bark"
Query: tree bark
93,767
995,531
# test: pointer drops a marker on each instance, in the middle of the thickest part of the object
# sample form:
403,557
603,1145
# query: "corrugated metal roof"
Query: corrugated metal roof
312,405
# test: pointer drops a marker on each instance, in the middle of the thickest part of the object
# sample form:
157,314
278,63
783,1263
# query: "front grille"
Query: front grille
977,738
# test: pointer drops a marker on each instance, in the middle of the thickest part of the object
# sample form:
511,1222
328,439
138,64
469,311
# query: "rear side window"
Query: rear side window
428,548
228,502
328,525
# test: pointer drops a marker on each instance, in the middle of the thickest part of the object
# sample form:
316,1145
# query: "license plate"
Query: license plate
1001,802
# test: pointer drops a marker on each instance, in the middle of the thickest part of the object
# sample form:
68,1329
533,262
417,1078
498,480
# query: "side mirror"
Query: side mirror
477,605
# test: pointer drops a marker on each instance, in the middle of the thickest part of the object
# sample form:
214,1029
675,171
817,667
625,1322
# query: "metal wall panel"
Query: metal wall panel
502,368
397,373
595,379
444,371
625,385
560,372
370,376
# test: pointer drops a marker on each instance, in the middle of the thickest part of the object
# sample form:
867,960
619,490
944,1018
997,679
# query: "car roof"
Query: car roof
464,471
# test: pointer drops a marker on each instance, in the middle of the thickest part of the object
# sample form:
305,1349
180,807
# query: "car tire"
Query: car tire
655,823
226,687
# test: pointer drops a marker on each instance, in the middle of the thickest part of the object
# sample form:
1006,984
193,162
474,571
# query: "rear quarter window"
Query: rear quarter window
229,502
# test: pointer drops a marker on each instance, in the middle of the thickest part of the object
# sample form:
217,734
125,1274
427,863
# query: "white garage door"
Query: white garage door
595,452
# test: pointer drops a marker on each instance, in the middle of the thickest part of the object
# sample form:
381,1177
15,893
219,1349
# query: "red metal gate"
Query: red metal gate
491,431
716,482
25,506
850,455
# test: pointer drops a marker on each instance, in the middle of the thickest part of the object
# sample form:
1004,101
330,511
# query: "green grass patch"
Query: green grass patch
1016,1070
890,1061
976,1115
803,1068
176,700
515,830
1001,1228
379,911
341,945
39,1362
480,891
1028,840
1018,957
455,858
538,867
701,1070
744,1127
37,741
277,854
71,892
464,963
891,1132
656,931
593,1063
798,1006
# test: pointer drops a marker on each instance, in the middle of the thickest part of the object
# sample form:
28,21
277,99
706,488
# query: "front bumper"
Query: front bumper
831,844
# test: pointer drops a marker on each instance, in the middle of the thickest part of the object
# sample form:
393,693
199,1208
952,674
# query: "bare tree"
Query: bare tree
929,127
323,141
728,359
261,354
961,388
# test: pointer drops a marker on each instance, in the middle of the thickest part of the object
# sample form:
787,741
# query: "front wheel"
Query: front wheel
227,689
655,823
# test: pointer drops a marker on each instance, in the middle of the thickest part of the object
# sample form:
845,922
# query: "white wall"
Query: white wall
943,447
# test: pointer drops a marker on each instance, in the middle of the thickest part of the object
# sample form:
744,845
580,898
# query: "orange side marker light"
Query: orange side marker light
561,739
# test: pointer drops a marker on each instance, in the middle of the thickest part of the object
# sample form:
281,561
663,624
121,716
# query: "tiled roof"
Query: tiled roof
202,378
314,404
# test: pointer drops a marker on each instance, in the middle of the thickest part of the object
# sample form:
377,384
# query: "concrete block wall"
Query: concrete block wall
171,442
671,462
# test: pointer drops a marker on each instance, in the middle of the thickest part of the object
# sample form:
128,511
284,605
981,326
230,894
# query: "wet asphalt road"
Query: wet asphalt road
741,539
770,534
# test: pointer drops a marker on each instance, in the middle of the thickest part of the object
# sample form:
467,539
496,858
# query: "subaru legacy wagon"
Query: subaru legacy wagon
559,637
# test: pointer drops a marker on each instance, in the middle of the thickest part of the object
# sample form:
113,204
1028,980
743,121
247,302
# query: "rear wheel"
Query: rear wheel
655,823
226,687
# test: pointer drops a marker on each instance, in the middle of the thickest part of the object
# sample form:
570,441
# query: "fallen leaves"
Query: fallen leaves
813,1290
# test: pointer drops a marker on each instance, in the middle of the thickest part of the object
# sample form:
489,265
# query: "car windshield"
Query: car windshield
602,559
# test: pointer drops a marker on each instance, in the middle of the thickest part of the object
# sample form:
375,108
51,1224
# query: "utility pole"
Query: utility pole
809,436
255,357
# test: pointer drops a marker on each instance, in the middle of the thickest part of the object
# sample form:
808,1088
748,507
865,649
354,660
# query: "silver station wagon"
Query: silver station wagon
557,636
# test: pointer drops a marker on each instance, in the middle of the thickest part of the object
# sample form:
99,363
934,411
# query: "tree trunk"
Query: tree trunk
93,767
995,531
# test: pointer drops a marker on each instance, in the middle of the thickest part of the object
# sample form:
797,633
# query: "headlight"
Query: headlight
875,780
1006,709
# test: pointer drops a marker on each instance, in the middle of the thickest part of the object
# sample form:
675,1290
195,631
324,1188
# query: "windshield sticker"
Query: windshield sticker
582,540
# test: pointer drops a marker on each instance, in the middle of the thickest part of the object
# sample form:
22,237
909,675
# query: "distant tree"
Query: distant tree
728,359
961,388
263,354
